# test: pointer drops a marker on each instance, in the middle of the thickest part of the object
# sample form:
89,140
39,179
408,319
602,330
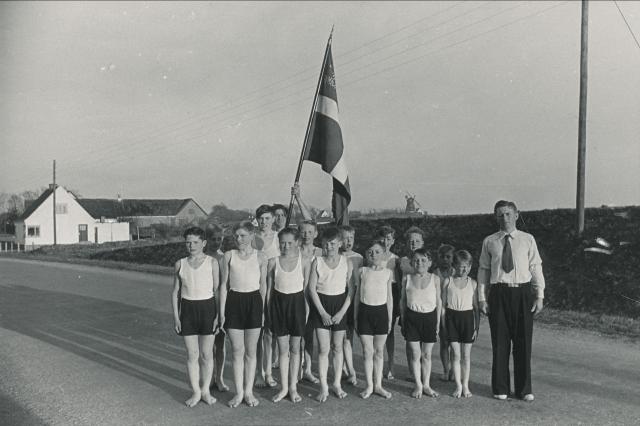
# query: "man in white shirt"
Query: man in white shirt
511,292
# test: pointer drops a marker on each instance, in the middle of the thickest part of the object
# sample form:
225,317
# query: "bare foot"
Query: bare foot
280,395
417,392
430,392
366,393
195,398
457,393
251,400
275,365
236,400
222,387
270,381
353,380
389,375
294,396
309,377
323,395
466,393
338,391
206,397
382,392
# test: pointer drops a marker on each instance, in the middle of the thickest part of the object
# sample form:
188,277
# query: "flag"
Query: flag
325,140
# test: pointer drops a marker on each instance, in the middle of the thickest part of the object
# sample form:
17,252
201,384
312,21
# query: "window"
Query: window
33,231
61,208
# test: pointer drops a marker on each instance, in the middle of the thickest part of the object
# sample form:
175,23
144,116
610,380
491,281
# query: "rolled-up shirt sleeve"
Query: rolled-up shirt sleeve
535,267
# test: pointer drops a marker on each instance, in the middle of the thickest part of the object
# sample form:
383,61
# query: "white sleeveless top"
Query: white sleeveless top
273,250
331,282
421,300
373,285
244,275
460,299
289,282
197,283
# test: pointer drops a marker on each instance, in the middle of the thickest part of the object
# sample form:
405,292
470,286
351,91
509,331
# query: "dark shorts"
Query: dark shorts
351,319
197,317
420,327
243,311
287,313
396,293
331,304
460,326
373,320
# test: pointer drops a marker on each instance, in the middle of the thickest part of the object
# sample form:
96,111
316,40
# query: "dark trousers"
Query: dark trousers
511,323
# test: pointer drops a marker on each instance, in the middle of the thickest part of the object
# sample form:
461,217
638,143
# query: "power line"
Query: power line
628,26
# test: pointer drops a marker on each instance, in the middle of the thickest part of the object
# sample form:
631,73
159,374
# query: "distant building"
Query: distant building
98,220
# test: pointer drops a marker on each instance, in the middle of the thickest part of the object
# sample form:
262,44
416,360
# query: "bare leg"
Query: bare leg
415,368
427,348
236,337
219,352
267,358
391,343
367,347
193,369
283,346
251,337
206,357
260,383
348,357
408,351
337,343
324,344
455,366
446,361
275,353
307,346
378,361
466,369
294,368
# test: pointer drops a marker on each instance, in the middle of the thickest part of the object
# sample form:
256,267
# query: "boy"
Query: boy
215,239
444,270
386,235
348,238
196,280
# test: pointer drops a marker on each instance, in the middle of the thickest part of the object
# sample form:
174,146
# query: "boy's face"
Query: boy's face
375,255
243,238
308,233
462,269
388,240
348,239
195,245
420,263
331,247
445,259
415,242
265,221
280,218
288,245
216,241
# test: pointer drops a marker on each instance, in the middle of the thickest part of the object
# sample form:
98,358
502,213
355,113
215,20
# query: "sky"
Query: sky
459,103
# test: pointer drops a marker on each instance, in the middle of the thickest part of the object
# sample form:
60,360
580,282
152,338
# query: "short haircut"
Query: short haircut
309,222
423,252
246,225
195,231
445,248
213,229
414,230
505,203
376,243
280,207
385,230
330,234
265,208
289,231
347,228
462,256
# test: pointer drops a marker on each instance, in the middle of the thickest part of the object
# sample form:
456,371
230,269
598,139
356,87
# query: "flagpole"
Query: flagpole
306,136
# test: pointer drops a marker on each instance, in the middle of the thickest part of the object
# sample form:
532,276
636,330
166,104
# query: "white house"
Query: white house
73,223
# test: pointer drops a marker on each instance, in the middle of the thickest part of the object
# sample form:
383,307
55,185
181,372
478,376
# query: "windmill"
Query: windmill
413,206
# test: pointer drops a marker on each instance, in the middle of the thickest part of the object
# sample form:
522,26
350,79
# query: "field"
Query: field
580,281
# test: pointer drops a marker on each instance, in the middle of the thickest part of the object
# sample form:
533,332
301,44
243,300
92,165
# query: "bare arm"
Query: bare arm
345,306
215,277
306,271
476,310
313,294
403,299
263,276
224,285
304,209
271,270
390,302
174,298
356,296
438,303
483,285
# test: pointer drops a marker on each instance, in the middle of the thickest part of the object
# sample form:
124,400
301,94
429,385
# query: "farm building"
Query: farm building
74,224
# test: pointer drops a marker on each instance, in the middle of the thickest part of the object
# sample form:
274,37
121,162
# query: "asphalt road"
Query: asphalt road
89,346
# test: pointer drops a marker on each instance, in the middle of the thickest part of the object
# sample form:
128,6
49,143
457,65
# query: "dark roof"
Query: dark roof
33,205
103,207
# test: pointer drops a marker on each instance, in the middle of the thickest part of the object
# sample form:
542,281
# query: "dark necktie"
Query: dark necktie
507,256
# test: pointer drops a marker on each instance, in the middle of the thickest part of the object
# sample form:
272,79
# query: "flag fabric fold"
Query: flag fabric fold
325,145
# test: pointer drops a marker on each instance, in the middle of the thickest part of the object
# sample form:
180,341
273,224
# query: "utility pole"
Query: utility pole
582,119
55,239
